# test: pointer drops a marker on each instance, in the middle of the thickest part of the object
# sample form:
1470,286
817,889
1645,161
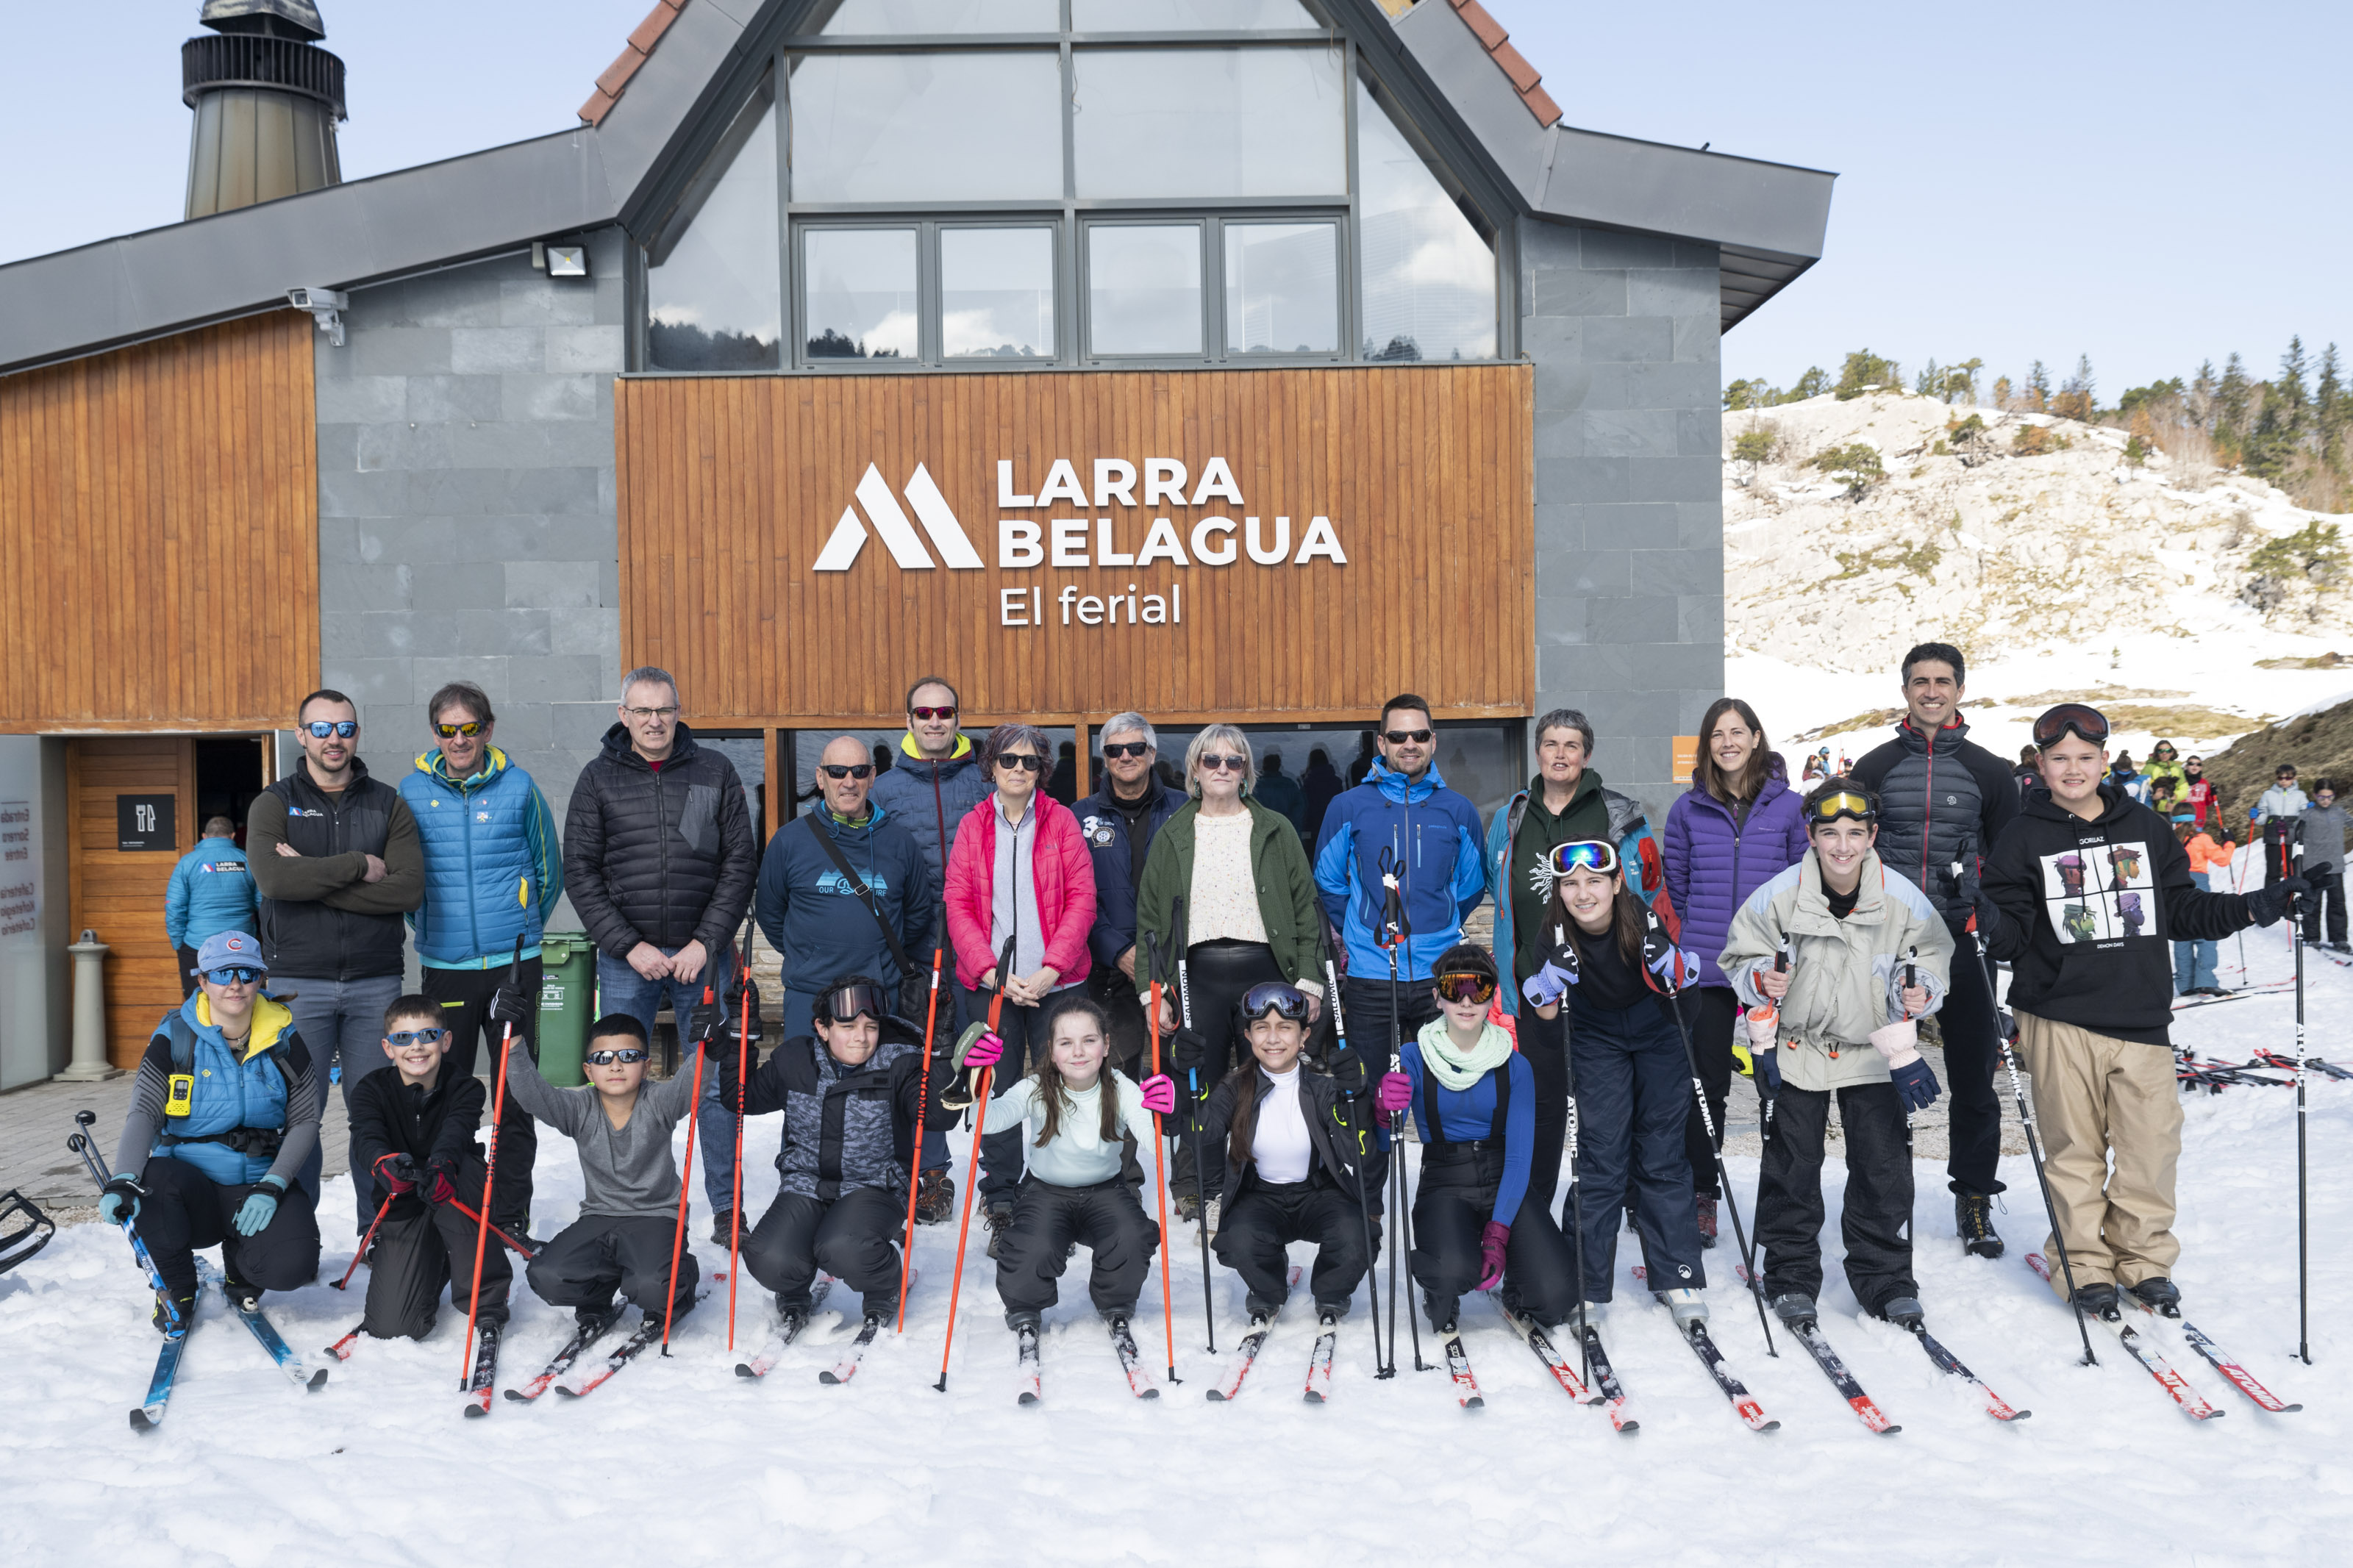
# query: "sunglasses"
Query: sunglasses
2087,721
343,729
1213,762
847,770
1592,854
235,976
1021,760
947,713
1402,737
844,1003
1127,749
1273,996
414,1036
606,1059
447,731
1824,809
1478,988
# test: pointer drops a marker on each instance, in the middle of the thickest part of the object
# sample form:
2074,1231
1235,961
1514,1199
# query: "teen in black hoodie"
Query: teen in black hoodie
2083,893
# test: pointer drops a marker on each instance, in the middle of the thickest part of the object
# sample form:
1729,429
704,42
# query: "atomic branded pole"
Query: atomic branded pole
1193,1119
1364,1203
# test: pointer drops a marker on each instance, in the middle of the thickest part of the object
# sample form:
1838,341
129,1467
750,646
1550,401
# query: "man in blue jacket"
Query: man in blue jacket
493,869
1403,823
211,890
1119,821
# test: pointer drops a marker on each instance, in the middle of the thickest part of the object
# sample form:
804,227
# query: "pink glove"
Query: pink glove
1394,1093
985,1052
1898,1042
1492,1241
1159,1094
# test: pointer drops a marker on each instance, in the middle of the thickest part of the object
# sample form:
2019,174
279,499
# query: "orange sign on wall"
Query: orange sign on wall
1686,758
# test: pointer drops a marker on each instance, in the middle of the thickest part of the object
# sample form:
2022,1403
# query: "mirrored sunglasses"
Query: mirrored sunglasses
947,713
236,976
606,1059
343,729
447,731
415,1037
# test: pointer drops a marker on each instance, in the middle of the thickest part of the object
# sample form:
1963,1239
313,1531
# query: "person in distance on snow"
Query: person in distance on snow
1632,1082
1276,1137
2092,1009
413,1127
621,1124
854,1101
223,1113
1868,956
1076,1115
1474,1098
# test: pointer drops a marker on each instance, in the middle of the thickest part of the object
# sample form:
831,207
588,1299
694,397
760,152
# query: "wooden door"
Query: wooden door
118,893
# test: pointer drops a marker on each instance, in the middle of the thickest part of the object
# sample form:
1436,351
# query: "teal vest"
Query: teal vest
481,887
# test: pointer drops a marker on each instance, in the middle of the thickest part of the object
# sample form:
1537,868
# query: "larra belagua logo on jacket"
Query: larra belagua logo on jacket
2100,893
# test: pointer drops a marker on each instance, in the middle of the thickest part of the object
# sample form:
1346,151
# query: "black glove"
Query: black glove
709,1020
1988,918
1187,1050
511,1004
397,1173
440,1183
732,1005
1347,1069
2323,878
2273,899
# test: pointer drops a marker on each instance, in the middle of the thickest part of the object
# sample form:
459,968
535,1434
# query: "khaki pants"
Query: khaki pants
2094,1093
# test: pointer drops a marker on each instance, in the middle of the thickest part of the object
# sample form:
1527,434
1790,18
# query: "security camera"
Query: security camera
325,306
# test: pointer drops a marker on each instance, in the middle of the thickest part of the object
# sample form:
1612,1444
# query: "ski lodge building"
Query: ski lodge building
1242,360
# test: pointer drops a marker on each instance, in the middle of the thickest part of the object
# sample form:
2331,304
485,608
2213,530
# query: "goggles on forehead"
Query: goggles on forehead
1828,807
2087,721
1591,854
1274,996
844,1003
1470,986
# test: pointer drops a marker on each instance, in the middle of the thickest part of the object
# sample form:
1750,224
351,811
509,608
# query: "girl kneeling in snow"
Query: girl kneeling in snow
1077,1113
1475,1099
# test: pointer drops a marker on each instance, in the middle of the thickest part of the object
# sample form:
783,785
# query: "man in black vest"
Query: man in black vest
335,857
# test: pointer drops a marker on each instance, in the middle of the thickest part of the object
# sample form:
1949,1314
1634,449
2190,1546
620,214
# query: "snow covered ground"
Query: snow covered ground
679,1461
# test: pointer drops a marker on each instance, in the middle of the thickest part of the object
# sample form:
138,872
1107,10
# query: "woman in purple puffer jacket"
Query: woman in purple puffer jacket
1739,825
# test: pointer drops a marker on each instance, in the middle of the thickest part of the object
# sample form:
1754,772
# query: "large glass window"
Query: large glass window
712,296
854,18
1428,276
997,294
927,127
1143,289
1187,15
1283,288
861,298
1200,124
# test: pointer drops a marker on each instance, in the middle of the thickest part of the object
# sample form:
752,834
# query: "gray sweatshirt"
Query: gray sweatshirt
2324,837
627,1170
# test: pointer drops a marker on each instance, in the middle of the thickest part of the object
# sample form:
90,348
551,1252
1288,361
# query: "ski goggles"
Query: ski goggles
1470,986
844,1003
1586,854
2083,719
606,1059
237,974
1274,996
405,1037
1832,805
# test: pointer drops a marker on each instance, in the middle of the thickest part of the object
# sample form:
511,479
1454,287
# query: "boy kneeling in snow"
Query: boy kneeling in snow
621,1125
1868,956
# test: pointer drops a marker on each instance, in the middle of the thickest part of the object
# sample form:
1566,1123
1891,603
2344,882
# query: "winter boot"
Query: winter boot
1629,1218
1685,1305
1442,1311
1259,1309
1706,1219
593,1317
187,1307
2099,1301
722,1224
792,1315
1188,1207
1905,1311
2160,1296
242,1296
879,1308
1000,1219
935,1197
1021,1320
1795,1309
1973,1223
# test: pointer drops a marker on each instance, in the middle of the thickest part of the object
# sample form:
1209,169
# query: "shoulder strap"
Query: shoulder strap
1503,1076
865,894
184,1043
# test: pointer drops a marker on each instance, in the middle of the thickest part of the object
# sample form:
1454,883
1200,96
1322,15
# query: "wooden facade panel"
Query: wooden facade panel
159,533
729,489
118,895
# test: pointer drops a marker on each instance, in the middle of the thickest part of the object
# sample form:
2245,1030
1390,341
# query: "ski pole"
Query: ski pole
1576,1209
2303,1255
524,1252
1193,1122
1356,1129
95,1163
915,1165
686,1182
354,1269
1160,1156
972,1170
1400,1222
743,1067
490,1164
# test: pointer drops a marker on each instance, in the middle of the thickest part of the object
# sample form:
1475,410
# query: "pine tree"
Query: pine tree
2330,410
2201,407
2038,389
2232,395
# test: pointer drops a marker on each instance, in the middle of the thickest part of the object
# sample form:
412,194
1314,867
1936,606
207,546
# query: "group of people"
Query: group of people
1155,965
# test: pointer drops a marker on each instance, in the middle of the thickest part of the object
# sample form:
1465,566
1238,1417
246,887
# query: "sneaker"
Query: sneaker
722,1226
1795,1308
1188,1207
1706,1219
1904,1311
2161,1295
2099,1301
935,1197
1973,1223
1000,1219
186,1306
1209,1228
1685,1305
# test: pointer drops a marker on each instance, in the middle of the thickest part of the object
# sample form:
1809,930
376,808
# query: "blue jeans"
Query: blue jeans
621,989
342,1024
2193,962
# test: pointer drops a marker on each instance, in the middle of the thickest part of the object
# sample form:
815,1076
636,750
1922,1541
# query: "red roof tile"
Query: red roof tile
1509,60
634,53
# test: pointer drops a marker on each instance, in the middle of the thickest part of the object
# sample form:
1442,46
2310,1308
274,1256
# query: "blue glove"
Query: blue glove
120,1201
255,1215
1548,984
1917,1084
1768,1066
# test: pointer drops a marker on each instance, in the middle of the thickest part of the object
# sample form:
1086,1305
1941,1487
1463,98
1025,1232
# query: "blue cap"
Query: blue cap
225,948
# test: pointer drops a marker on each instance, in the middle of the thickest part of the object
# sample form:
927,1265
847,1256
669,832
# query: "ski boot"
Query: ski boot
1905,1311
1260,1310
1442,1311
2161,1295
1706,1219
2099,1301
1022,1321
592,1317
165,1306
1795,1309
792,1315
935,1197
1585,1315
999,1220
878,1311
1973,1223
242,1296
1686,1306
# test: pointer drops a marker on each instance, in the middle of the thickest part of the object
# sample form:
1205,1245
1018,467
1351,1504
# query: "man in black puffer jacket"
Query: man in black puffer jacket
1943,802
659,857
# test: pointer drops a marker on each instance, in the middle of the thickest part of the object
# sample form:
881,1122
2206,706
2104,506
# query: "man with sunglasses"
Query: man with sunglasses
335,856
1119,821
493,871
1944,800
2094,999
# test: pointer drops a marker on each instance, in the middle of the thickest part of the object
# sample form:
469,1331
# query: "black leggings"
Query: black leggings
1713,1021
1219,974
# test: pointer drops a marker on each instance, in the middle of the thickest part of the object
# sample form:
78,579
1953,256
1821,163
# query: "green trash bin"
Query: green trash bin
567,964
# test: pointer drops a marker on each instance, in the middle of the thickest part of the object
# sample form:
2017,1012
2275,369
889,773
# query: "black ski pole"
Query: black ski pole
1364,1204
2294,847
1576,1209
1393,934
95,1163
1193,1122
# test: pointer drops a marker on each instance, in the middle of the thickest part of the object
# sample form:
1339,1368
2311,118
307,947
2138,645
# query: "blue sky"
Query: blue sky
2151,185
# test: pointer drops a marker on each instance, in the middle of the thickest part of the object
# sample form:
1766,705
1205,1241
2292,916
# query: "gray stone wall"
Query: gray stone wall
466,507
1629,511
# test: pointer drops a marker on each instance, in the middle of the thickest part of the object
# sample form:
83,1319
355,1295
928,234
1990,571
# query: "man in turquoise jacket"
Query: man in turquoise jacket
493,869
211,890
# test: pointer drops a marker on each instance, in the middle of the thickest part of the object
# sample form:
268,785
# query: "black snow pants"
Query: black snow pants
184,1210
854,1237
422,1246
1876,1221
1451,1210
600,1254
1047,1219
1267,1216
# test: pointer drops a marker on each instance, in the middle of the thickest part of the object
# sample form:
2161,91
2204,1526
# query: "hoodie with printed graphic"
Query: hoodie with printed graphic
817,922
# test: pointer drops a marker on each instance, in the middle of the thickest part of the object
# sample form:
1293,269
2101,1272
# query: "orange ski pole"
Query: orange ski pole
685,1182
490,1164
1160,1177
915,1165
381,1209
972,1172
735,1205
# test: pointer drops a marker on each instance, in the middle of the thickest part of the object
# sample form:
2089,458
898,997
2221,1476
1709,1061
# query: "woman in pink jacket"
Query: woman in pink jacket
1020,873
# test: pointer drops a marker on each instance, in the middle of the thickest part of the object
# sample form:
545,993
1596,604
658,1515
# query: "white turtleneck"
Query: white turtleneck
1279,1146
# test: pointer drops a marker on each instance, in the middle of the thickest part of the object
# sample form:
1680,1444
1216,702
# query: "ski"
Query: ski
150,1412
1950,1364
342,1348
2193,1403
1458,1366
2221,1360
1028,1340
648,1332
486,1370
780,1338
1319,1361
1809,1333
1533,1335
1131,1361
586,1335
266,1334
845,1369
1744,1403
1606,1384
1246,1353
